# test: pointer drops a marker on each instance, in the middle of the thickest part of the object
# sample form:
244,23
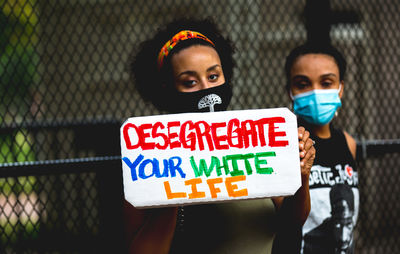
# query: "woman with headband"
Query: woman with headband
174,70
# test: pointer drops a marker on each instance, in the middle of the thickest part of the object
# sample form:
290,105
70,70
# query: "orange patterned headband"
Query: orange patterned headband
181,36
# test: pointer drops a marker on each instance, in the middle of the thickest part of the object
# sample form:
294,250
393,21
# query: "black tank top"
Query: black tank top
333,151
334,197
334,201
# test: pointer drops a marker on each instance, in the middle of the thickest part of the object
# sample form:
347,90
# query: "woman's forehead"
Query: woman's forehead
315,63
195,57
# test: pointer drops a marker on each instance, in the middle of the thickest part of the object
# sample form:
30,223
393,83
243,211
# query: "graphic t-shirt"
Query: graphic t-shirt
334,198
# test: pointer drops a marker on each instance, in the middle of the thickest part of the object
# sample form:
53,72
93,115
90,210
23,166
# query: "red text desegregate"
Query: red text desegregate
193,158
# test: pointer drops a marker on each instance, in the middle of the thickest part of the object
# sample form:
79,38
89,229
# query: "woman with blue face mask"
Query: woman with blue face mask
315,84
316,88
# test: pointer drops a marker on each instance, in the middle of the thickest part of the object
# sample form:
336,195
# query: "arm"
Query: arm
149,230
351,143
294,210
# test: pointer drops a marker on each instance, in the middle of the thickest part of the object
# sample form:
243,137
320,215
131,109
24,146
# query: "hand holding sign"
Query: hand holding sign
178,159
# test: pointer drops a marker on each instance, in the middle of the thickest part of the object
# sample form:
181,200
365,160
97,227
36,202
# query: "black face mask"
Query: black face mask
206,100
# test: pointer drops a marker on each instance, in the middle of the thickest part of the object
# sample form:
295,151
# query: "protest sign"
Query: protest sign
192,158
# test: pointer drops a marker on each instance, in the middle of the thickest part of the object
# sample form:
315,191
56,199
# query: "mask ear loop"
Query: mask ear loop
291,94
340,87
292,98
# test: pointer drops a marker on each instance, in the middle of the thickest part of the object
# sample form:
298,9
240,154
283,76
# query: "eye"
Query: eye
189,83
301,85
326,83
213,77
300,82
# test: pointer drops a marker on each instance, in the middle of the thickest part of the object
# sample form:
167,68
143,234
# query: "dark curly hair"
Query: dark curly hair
314,48
153,83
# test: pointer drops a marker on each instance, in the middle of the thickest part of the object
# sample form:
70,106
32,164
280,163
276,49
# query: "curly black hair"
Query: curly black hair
153,83
314,48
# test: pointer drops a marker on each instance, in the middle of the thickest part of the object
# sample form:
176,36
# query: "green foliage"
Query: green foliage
18,57
18,72
16,148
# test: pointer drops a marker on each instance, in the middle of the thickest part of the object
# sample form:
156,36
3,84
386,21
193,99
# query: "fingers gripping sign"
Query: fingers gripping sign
307,152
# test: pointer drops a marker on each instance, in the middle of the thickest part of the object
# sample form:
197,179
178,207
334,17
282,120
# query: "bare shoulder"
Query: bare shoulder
351,142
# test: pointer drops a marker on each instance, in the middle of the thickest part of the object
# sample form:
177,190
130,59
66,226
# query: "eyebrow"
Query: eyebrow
322,76
300,77
193,72
328,75
214,67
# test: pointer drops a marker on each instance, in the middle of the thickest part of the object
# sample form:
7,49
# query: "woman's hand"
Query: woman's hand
307,153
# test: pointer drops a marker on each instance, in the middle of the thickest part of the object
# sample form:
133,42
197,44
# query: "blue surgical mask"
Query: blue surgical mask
317,106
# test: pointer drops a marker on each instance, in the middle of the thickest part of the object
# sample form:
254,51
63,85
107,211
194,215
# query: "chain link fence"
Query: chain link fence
65,90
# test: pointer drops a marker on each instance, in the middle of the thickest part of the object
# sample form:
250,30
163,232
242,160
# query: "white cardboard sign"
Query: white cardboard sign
192,158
